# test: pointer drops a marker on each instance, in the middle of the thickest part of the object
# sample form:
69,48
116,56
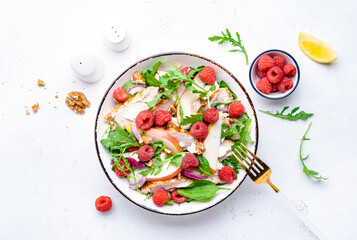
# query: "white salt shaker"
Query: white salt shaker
117,38
88,68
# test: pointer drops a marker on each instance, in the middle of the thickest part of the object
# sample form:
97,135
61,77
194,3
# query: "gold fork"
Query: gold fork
259,172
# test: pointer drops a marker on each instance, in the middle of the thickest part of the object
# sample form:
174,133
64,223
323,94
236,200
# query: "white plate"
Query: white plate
107,103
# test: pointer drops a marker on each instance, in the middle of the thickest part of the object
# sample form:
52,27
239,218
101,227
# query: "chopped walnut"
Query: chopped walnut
27,112
150,163
172,110
145,140
168,151
230,121
40,83
200,148
77,102
172,124
137,78
35,107
179,176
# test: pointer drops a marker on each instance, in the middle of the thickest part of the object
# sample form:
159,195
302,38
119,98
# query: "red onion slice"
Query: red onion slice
135,131
136,89
135,163
140,180
191,175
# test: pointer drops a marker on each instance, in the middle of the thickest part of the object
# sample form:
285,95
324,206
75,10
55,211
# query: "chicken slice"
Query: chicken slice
127,112
225,150
164,105
184,137
221,95
167,185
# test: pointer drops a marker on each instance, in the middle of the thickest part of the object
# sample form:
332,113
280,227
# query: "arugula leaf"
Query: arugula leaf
151,80
308,172
223,84
157,168
149,75
192,119
153,102
155,68
200,190
227,132
128,85
300,115
175,159
204,166
119,139
227,37
220,103
180,107
232,162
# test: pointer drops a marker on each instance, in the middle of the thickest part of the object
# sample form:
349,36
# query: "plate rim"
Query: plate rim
160,55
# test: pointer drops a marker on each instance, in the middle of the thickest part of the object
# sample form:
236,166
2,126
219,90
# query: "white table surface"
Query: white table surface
50,175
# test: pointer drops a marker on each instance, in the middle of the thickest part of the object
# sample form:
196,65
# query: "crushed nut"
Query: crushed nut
145,140
230,121
40,83
173,124
35,107
56,96
179,176
77,102
200,148
172,110
149,163
137,78
168,151
27,112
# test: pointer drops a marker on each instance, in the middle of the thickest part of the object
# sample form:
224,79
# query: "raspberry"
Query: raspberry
145,153
208,75
274,87
144,120
235,109
161,117
189,162
177,198
265,62
285,84
160,197
227,174
120,94
260,73
119,172
279,61
132,149
275,74
211,115
186,70
199,130
103,204
264,85
289,70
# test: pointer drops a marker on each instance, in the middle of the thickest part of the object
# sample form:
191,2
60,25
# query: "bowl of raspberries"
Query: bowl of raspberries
274,74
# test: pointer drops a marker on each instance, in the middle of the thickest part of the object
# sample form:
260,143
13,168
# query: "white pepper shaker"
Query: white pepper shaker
117,38
88,68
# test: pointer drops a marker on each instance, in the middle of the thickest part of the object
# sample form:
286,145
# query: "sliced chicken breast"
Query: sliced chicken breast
184,137
167,185
225,150
164,105
127,112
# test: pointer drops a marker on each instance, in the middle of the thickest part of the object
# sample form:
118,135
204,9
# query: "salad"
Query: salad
172,133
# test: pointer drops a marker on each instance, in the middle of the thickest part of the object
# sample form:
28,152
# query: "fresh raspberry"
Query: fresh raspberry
161,117
289,70
132,149
160,197
264,85
145,153
227,174
177,198
119,172
186,70
265,62
120,94
199,130
274,87
211,115
208,75
144,120
189,162
103,204
285,84
260,73
235,109
275,74
279,61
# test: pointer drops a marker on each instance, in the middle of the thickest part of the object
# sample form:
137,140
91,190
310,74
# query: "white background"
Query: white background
50,175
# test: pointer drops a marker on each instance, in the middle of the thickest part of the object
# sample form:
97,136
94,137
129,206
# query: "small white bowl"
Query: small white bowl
288,60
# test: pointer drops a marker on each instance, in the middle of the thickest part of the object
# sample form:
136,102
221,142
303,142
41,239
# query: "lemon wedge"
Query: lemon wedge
316,49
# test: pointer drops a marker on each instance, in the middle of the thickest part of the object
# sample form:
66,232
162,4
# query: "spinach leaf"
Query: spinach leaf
300,115
204,166
155,68
119,139
200,190
223,84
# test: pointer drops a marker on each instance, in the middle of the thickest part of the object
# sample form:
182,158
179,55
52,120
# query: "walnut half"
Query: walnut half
137,78
77,101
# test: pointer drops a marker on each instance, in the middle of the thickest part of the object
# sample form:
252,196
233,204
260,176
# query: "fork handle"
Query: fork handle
302,217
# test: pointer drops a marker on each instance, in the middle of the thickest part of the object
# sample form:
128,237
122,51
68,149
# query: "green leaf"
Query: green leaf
308,172
155,68
232,162
166,94
128,85
204,166
119,139
300,115
235,50
220,103
152,81
215,38
223,84
200,190
192,119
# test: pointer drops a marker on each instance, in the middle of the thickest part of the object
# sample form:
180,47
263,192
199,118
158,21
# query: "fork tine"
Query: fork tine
244,159
240,161
263,165
251,165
